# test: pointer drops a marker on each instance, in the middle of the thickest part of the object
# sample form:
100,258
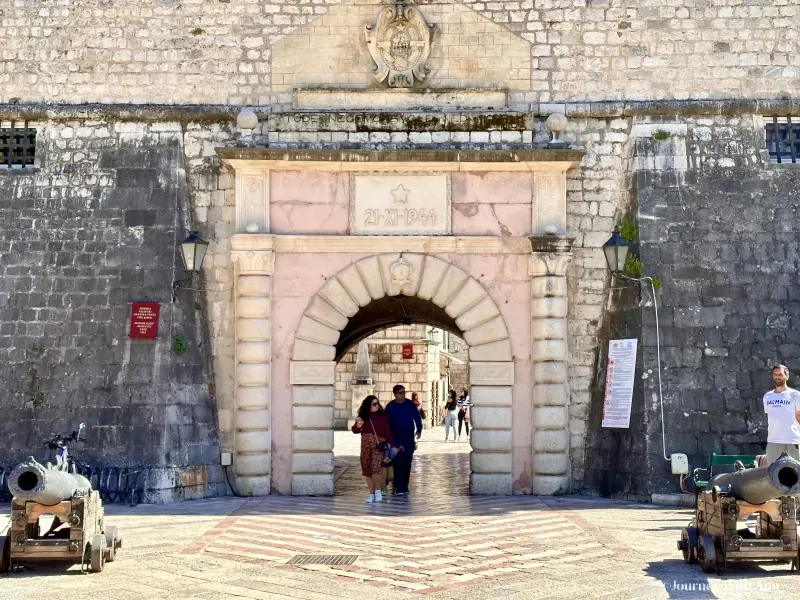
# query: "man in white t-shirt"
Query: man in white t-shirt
782,406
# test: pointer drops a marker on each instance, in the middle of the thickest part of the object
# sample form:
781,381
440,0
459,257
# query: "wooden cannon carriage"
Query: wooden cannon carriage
56,516
718,533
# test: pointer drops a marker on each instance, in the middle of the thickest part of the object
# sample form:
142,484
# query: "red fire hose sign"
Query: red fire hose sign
144,320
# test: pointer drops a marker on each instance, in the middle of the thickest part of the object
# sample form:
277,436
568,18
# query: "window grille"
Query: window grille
783,140
17,147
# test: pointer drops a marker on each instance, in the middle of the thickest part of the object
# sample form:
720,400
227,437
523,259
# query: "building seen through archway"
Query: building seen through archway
429,362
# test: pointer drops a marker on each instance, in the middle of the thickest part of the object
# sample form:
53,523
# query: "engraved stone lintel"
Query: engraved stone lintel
491,373
254,262
400,44
400,204
320,372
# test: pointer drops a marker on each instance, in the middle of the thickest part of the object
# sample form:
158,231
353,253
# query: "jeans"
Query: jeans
450,421
462,421
402,469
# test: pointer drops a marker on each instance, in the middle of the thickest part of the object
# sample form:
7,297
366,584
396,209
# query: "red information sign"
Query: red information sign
408,351
144,320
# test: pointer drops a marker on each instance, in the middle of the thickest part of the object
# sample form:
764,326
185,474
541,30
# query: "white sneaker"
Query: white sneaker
378,496
459,438
370,498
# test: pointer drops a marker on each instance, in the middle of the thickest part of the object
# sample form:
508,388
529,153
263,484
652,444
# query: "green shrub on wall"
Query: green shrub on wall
634,267
180,345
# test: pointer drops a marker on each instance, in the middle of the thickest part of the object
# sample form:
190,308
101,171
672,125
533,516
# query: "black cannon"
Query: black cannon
718,533
30,481
56,515
756,486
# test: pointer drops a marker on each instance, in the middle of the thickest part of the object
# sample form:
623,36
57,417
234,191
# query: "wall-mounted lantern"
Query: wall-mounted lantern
193,251
616,251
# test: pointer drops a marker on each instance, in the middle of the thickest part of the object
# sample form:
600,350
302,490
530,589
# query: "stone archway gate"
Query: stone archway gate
503,385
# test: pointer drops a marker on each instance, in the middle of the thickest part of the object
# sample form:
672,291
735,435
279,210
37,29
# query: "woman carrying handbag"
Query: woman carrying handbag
376,440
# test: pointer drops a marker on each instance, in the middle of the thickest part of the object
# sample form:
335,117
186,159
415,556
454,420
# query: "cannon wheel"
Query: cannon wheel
111,544
689,545
707,554
97,555
5,554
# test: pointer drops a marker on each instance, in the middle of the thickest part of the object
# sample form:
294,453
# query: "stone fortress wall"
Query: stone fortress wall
223,51
581,54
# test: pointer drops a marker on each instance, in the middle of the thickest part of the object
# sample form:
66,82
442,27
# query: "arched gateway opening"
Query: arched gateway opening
391,289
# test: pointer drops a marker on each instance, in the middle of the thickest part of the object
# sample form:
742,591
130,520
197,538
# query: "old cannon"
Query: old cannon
718,534
56,515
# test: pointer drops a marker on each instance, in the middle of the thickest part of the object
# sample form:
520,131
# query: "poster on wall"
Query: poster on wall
620,371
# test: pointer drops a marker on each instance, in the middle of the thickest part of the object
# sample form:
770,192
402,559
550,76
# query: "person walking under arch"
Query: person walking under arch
376,438
404,419
464,406
450,415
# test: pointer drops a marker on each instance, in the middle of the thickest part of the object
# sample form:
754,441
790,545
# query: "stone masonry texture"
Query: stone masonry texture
94,226
720,231
221,51
91,230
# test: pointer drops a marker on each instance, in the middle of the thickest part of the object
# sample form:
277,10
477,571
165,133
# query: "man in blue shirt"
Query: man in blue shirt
404,421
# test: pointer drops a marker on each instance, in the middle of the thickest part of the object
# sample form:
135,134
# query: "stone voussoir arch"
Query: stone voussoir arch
313,365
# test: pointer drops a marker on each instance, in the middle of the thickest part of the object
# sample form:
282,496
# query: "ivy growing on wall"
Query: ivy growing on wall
634,267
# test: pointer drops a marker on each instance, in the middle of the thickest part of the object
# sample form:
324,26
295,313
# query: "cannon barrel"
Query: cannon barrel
756,486
32,481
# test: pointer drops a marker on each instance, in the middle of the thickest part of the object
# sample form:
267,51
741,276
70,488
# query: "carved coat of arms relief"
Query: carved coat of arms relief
400,43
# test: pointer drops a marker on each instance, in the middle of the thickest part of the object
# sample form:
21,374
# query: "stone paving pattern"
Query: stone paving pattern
438,544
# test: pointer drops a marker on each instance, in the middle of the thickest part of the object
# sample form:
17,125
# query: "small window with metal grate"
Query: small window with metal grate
17,147
783,139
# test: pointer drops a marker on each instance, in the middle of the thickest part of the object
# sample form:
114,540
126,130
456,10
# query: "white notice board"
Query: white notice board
619,383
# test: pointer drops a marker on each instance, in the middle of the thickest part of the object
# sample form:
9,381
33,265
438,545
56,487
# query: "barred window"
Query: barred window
17,147
783,139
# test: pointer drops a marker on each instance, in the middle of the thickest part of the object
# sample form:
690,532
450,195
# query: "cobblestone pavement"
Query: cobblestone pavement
439,543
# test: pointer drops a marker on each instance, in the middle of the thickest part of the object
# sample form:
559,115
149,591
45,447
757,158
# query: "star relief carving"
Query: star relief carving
401,194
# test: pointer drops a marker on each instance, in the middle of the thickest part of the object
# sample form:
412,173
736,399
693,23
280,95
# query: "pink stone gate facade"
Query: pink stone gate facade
328,242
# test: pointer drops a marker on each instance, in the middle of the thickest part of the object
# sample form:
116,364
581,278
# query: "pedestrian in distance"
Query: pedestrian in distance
415,400
464,406
406,425
450,415
376,440
782,406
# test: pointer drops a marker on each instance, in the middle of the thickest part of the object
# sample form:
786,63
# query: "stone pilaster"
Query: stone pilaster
491,393
252,463
549,355
312,432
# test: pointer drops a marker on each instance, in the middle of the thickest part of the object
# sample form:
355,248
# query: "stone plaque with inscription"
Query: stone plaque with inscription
400,205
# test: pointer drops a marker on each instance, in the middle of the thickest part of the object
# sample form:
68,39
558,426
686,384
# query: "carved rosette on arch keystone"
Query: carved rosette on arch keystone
549,356
252,463
313,368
